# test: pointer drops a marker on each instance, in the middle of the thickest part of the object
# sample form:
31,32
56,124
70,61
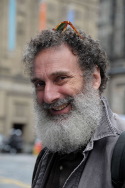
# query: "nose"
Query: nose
51,93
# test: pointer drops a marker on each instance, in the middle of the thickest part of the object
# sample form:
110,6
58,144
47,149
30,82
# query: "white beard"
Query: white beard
69,132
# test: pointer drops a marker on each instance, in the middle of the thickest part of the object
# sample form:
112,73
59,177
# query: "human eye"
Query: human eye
61,79
39,85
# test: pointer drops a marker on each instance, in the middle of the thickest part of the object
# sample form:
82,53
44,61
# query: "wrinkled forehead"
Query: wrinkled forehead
55,58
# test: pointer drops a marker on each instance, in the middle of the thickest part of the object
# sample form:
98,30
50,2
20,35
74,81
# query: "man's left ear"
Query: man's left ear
96,78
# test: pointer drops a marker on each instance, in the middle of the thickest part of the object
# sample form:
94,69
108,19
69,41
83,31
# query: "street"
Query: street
16,170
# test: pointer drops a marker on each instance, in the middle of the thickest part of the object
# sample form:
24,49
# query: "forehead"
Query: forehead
56,59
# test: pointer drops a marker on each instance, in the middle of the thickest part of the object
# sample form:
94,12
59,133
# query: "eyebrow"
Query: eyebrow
60,73
33,80
53,74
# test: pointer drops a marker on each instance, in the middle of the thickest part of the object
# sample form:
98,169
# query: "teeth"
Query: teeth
60,107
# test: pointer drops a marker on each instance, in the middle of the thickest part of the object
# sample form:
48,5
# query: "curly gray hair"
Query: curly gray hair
87,50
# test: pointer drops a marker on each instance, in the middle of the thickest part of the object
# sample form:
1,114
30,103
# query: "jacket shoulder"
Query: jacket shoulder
41,154
120,122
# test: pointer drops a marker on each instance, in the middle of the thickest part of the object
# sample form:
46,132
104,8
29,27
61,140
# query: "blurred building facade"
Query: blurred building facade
84,14
20,20
18,24
112,37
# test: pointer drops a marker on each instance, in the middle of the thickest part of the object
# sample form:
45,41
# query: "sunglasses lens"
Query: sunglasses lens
61,27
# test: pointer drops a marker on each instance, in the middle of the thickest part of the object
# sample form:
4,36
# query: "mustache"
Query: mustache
59,102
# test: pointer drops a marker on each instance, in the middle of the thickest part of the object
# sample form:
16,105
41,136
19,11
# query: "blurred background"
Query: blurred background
104,20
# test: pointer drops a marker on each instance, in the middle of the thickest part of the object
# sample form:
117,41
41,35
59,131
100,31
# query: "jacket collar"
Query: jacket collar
106,127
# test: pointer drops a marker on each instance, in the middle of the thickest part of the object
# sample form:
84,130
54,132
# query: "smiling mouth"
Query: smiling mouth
61,107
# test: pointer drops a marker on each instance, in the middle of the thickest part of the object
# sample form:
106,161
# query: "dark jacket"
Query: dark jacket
96,163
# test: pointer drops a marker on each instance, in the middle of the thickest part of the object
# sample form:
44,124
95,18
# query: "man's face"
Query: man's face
57,75
67,109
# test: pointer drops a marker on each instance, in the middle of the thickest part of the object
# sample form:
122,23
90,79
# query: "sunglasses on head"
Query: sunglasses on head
63,25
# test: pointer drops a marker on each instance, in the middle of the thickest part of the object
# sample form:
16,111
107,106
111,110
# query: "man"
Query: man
74,122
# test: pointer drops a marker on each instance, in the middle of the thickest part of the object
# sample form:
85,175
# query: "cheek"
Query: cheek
76,87
39,97
71,90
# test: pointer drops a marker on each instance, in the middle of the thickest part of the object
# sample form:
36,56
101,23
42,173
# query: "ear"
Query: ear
96,78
